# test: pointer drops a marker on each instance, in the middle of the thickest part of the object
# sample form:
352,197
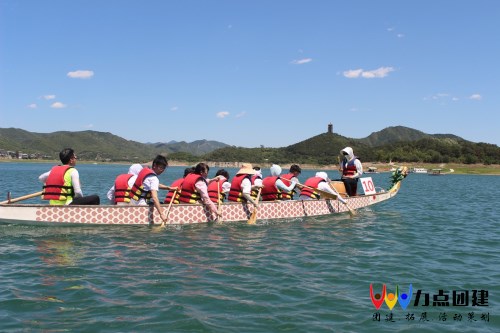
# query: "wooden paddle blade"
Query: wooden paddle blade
253,217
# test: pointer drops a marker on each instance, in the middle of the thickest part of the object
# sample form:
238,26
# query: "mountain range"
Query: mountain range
392,143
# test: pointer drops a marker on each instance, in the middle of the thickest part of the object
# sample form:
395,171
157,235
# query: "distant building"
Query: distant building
330,128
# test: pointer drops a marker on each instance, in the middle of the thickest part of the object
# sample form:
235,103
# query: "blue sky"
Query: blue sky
250,73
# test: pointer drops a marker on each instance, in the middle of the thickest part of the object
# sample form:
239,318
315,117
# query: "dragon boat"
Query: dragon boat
180,214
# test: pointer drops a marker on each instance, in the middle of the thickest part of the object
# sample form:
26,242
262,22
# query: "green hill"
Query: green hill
92,145
397,144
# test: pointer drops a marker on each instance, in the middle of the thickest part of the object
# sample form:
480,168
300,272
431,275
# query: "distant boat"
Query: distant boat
418,170
371,170
436,172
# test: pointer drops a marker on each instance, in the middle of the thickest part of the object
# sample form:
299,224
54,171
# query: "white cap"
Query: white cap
323,175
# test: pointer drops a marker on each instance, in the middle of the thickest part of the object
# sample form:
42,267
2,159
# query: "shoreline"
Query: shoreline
458,169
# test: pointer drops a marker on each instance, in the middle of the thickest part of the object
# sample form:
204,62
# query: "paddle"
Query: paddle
329,196
25,197
253,217
219,207
351,211
169,206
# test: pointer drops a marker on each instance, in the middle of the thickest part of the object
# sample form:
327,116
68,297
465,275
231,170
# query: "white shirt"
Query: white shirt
246,186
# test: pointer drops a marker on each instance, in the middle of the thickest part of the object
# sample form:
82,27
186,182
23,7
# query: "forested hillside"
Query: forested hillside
397,144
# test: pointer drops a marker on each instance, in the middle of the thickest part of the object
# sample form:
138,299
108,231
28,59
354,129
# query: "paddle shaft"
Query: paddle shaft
253,217
330,196
219,207
25,197
169,206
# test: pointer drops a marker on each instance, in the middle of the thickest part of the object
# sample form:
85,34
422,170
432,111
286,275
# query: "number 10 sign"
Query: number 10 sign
368,185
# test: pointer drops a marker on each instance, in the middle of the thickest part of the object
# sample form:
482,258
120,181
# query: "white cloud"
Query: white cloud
32,106
81,74
301,61
241,114
58,105
400,35
49,97
476,97
442,98
88,126
375,73
353,73
174,108
222,114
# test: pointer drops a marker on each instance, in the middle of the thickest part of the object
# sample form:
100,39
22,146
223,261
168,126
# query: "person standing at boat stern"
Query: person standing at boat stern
62,183
147,184
351,169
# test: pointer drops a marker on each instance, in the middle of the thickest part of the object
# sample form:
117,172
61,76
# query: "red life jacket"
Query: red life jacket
189,194
286,179
177,183
122,189
312,182
270,192
213,191
236,192
349,168
137,191
55,187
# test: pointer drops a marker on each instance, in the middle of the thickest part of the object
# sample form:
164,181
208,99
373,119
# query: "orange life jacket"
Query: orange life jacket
121,188
177,183
214,189
312,182
270,192
189,194
236,192
55,187
349,168
137,191
286,179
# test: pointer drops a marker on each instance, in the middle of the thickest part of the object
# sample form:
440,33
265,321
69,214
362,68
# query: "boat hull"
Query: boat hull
182,213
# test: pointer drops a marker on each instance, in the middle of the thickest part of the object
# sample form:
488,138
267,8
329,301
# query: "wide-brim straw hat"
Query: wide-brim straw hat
246,168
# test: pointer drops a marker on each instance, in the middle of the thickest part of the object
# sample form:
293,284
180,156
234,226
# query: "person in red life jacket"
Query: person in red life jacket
287,179
217,190
274,187
241,185
321,182
194,189
146,186
351,169
176,185
118,194
62,183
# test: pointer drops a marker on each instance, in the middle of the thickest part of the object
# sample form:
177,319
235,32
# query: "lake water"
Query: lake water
439,234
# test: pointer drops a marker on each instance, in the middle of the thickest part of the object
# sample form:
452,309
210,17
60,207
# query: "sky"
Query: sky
250,73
